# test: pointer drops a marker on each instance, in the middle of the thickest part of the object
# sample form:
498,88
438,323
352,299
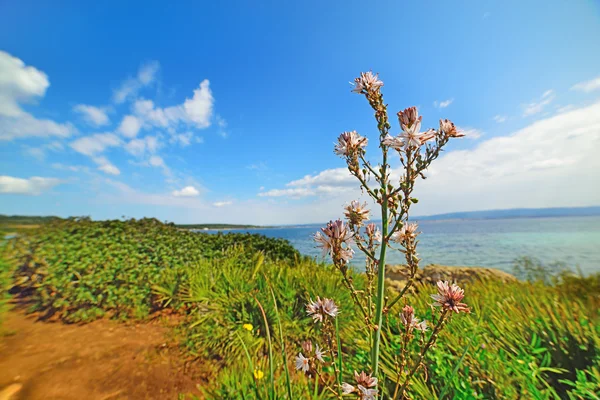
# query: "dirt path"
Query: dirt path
103,360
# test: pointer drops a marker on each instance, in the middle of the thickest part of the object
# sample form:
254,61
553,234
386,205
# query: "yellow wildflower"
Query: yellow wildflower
258,374
248,327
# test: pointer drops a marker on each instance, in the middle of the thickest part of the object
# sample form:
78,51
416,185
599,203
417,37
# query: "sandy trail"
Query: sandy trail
103,360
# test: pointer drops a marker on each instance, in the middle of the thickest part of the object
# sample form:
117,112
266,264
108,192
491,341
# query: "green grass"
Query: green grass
79,270
523,339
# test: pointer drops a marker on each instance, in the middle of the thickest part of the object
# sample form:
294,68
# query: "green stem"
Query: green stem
364,185
365,250
365,163
408,285
339,346
281,338
379,299
271,366
418,361
350,286
255,386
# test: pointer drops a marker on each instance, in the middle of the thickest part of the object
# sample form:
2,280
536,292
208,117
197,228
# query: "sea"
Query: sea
495,243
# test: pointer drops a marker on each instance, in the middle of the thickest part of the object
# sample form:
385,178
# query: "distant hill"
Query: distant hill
517,213
26,219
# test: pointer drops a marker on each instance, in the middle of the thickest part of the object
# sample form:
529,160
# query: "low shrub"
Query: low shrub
78,269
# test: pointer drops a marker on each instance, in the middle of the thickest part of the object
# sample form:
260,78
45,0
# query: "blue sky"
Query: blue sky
227,111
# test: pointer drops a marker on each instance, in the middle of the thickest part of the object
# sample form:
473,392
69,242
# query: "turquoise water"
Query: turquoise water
488,243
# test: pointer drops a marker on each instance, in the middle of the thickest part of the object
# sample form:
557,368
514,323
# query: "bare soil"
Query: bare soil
103,360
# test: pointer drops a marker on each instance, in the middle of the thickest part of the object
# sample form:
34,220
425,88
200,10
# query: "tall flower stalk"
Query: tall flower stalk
416,150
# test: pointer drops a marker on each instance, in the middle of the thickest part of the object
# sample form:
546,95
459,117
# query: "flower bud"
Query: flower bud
408,117
307,346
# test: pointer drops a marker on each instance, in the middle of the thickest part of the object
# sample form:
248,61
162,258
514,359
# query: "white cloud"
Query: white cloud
188,191
566,108
443,104
549,163
470,133
222,124
26,125
222,203
157,161
139,147
261,166
106,166
147,72
94,116
19,84
94,144
31,186
35,152
129,89
196,111
40,152
329,181
500,118
72,168
130,126
55,146
337,177
184,139
199,108
587,86
537,106
291,192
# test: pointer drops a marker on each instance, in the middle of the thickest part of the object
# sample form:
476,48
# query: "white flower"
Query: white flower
449,129
413,138
410,122
395,143
349,142
336,240
356,213
367,394
449,297
319,354
365,379
347,388
367,82
330,308
302,363
373,232
313,308
321,308
323,242
408,315
407,232
421,326
408,118
412,322
346,254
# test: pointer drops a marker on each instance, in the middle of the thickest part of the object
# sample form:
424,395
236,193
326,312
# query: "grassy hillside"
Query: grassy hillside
523,339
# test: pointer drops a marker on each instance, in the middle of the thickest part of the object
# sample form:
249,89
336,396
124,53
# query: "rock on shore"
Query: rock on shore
397,275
